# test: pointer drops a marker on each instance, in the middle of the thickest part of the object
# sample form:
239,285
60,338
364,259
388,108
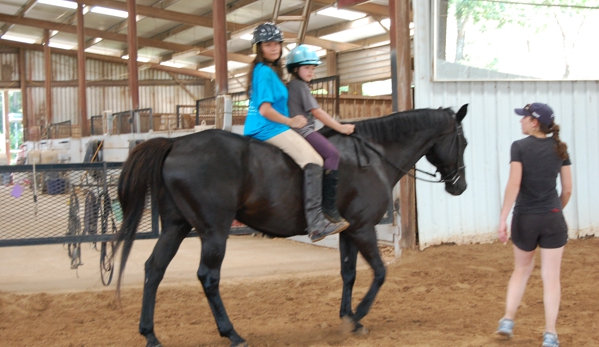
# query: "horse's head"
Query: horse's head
447,154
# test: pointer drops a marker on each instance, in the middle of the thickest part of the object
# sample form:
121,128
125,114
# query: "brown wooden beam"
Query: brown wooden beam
6,126
113,36
27,118
107,83
20,13
83,124
48,74
401,68
220,47
153,12
107,58
106,35
132,42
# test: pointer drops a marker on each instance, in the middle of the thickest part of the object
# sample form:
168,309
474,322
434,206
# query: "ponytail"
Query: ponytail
560,147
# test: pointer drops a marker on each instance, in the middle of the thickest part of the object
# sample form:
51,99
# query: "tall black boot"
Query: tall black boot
329,196
318,226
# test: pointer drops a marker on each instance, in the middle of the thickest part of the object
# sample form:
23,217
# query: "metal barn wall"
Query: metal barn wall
360,66
490,127
364,65
161,98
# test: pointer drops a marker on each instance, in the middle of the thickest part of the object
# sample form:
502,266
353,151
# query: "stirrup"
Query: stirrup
318,235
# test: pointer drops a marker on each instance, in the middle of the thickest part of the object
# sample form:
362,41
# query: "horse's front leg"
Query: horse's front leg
349,255
164,251
213,253
366,243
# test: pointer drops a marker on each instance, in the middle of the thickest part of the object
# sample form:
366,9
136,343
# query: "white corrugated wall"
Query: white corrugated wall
490,127
161,98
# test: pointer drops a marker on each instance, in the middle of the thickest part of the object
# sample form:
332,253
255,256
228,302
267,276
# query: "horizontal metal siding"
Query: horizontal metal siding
364,65
490,128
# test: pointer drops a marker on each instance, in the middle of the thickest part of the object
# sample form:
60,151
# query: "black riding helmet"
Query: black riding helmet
266,32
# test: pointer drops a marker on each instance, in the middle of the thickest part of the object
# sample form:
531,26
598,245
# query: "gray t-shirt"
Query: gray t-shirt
301,102
540,167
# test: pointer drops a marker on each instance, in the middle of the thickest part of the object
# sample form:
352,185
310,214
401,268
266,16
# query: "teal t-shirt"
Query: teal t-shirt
266,87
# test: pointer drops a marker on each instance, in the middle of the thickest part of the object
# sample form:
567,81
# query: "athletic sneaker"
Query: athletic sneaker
550,340
506,327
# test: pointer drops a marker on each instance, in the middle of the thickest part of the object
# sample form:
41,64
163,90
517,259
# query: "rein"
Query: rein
452,177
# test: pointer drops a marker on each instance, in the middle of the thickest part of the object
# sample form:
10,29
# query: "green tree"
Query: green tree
498,13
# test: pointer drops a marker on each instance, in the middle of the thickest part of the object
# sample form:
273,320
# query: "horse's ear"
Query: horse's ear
462,113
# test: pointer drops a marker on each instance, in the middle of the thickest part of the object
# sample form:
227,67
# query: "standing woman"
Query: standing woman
537,220
268,120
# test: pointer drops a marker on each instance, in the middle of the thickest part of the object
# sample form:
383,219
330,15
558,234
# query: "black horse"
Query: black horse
207,179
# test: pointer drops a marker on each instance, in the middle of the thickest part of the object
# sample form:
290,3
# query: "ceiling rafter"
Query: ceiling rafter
153,12
370,9
107,58
20,13
109,35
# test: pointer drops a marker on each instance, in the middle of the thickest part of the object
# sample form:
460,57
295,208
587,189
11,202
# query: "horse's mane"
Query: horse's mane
387,128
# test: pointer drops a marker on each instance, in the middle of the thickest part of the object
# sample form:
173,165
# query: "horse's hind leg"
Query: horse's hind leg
213,253
366,242
174,232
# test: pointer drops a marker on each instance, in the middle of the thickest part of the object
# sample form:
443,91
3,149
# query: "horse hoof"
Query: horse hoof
154,345
240,344
361,331
347,325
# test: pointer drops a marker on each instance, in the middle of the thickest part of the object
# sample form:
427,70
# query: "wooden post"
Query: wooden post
401,75
48,72
220,47
132,62
6,126
27,121
83,124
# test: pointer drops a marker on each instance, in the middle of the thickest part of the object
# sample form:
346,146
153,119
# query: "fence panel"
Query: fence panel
62,203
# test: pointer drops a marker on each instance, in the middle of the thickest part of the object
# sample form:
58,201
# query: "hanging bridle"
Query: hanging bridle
453,177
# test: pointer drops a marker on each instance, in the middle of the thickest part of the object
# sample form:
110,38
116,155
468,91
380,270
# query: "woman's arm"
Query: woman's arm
565,175
270,113
329,121
511,193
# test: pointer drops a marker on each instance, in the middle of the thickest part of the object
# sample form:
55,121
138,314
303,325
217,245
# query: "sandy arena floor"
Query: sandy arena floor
442,296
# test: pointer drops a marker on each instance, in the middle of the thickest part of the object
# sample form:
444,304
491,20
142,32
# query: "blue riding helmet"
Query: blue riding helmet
302,55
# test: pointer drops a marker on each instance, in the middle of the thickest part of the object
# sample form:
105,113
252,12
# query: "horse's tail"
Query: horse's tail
142,169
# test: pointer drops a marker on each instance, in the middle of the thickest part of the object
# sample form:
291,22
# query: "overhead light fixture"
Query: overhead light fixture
247,37
110,12
60,3
18,38
342,14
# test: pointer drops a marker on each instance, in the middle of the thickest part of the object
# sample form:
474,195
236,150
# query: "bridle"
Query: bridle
452,177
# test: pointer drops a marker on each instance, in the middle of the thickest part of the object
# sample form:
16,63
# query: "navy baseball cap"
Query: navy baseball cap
540,111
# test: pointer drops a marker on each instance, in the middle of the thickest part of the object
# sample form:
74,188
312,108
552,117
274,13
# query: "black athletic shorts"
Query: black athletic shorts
547,230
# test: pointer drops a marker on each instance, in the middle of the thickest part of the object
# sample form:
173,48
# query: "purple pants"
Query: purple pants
327,151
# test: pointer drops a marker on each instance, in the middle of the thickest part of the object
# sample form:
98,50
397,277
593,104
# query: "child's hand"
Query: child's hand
347,129
298,121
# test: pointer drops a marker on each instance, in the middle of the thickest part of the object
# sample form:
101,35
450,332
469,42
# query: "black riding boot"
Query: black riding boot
318,226
329,196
